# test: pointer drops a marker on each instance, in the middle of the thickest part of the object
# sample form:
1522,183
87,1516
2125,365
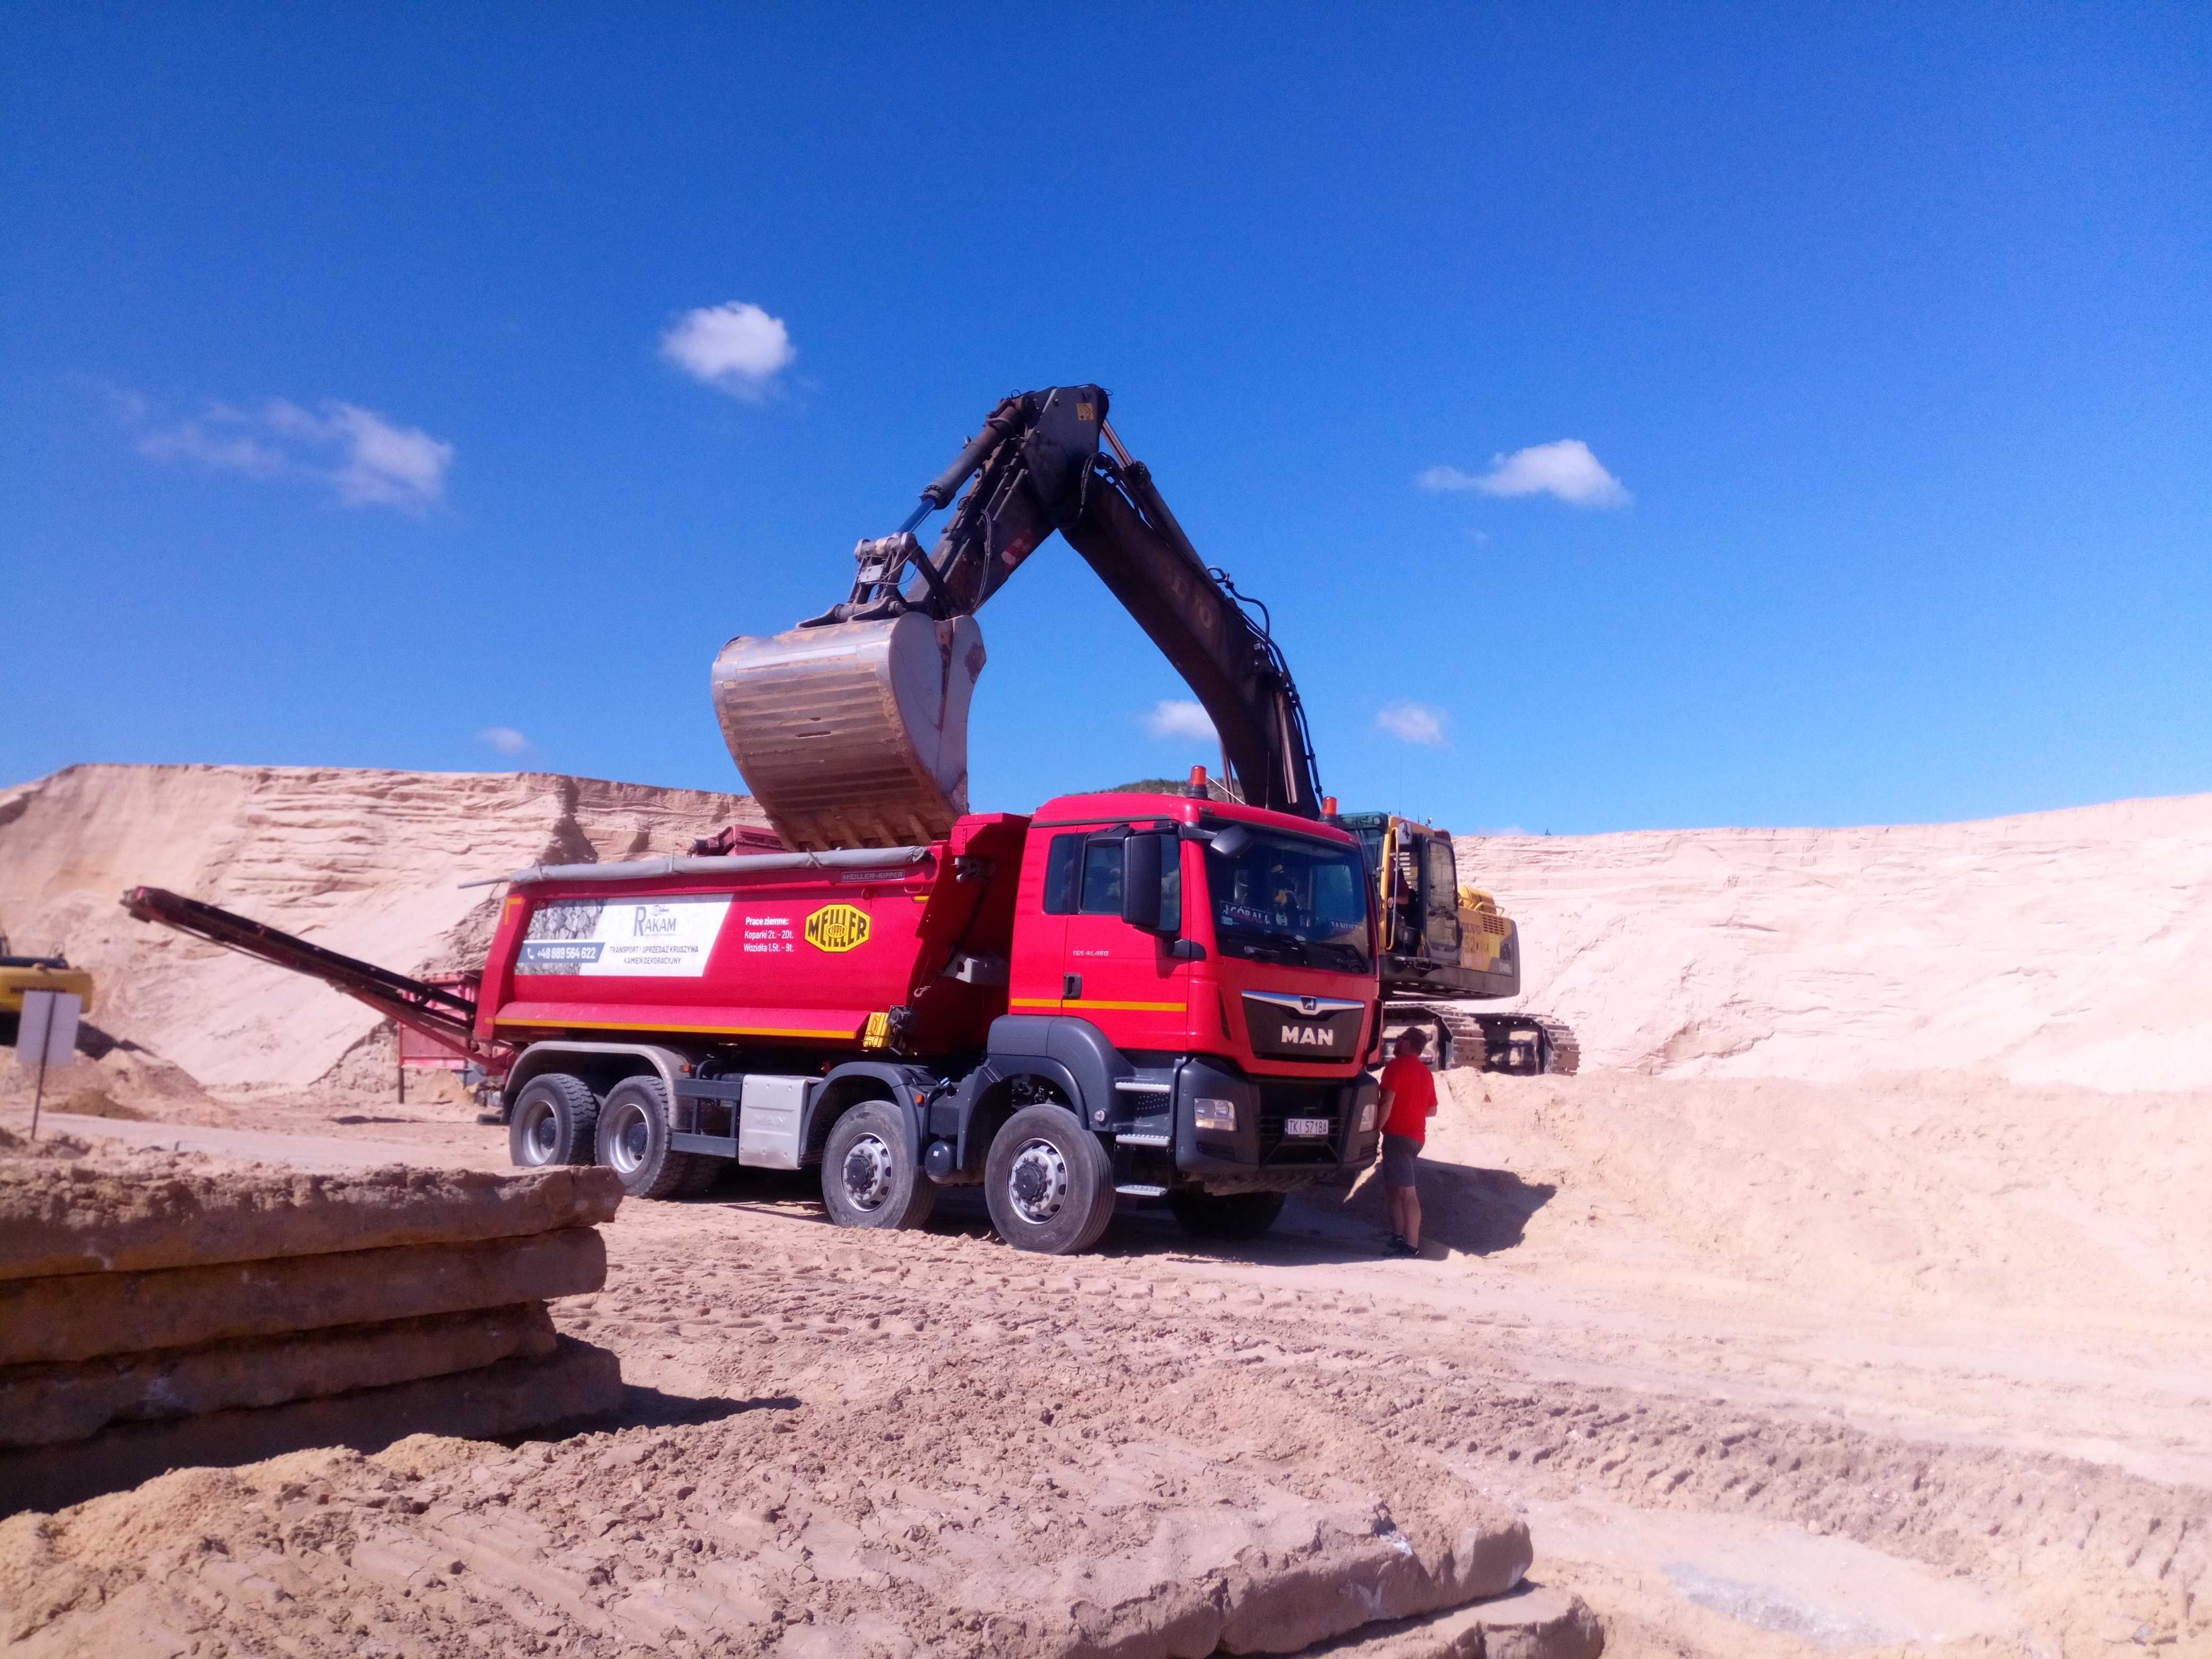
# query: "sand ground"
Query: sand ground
1856,1298
1763,1439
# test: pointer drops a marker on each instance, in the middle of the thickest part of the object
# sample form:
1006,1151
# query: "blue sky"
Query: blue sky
340,427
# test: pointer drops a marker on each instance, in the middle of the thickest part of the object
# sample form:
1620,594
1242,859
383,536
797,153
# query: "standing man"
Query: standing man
1409,1101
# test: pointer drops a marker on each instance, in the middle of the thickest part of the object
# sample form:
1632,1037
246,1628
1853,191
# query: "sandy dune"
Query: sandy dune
368,863
2071,947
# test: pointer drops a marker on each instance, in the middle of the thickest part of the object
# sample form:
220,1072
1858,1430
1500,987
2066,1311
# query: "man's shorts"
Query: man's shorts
1398,1152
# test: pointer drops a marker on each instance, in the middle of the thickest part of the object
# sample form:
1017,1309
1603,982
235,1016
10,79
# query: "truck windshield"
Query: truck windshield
1284,898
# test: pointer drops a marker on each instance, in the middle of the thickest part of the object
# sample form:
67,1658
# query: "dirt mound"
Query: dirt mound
2071,947
1921,1194
365,862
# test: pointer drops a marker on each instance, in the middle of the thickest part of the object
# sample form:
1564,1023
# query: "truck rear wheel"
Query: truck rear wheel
870,1176
633,1140
1225,1215
555,1121
1048,1182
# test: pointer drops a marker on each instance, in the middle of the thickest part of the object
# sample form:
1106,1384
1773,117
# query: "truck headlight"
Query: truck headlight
1208,1113
1367,1117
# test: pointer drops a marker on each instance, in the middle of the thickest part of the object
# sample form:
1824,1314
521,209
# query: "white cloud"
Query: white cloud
504,738
737,347
1173,717
211,442
1412,722
1566,469
367,460
379,464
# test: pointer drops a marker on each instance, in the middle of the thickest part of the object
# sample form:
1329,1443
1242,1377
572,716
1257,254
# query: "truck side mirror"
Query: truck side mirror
1140,881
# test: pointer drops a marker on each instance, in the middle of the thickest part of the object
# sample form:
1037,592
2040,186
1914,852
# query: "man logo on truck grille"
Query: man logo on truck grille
837,927
1310,1037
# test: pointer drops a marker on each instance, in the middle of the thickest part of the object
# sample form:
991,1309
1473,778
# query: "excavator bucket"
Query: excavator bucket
854,734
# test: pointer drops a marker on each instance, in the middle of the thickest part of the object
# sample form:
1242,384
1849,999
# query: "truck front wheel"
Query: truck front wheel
633,1140
1048,1182
554,1121
1225,1215
870,1177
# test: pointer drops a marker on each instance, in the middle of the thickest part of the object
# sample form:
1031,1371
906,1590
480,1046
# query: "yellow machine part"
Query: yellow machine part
14,982
854,734
1483,930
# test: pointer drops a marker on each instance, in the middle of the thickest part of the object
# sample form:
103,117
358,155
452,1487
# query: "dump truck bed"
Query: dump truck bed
845,950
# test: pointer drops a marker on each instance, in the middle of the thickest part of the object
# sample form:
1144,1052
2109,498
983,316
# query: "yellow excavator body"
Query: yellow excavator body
1484,931
21,974
14,982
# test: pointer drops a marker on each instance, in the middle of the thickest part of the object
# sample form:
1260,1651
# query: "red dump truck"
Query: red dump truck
1149,995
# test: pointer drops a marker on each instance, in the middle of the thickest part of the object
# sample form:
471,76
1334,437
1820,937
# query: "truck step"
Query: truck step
1139,1189
1144,1140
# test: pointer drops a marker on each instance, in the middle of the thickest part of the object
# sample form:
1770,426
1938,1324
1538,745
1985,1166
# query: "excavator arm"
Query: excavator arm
851,728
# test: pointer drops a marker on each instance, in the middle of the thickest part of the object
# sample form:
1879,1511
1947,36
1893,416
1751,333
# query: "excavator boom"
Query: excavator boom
851,728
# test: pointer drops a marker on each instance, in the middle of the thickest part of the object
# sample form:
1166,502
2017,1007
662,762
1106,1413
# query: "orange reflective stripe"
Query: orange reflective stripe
1086,1002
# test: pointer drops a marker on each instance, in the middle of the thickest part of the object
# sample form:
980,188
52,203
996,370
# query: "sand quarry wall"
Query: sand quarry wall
365,862
2069,947
2072,947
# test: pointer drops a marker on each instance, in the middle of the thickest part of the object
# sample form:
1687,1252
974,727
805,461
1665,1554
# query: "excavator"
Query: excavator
19,974
851,729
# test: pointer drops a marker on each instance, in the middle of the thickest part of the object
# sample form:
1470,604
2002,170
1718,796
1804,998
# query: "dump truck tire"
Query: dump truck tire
870,1176
633,1140
706,1173
1225,1215
555,1121
1048,1182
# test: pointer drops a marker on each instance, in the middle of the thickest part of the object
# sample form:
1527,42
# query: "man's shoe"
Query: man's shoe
1399,1247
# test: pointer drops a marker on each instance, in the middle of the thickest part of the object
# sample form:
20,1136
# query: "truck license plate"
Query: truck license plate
1306,1126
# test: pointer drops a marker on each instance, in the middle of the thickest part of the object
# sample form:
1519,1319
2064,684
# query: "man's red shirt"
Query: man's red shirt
1412,1097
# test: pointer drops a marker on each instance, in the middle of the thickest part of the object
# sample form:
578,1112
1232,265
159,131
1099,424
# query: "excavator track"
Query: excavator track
1464,1035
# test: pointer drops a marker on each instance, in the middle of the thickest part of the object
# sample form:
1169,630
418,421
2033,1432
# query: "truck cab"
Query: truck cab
1203,975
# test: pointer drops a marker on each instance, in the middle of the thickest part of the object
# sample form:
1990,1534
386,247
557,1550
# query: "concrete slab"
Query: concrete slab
53,1320
577,1382
108,1214
1531,1622
45,1405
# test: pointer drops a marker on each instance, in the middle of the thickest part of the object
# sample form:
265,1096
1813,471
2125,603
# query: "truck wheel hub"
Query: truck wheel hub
632,1138
1038,1182
539,1133
868,1172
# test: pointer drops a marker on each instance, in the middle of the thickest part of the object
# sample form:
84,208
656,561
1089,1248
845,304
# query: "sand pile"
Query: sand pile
364,862
2058,947
2071,947
159,1310
1927,1194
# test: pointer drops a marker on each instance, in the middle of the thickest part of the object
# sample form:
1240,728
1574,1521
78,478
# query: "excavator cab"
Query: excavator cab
1439,939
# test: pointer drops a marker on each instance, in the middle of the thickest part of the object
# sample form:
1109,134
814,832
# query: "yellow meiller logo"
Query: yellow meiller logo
837,927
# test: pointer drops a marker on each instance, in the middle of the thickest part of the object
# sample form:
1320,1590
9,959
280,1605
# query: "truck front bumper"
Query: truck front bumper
1256,1152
